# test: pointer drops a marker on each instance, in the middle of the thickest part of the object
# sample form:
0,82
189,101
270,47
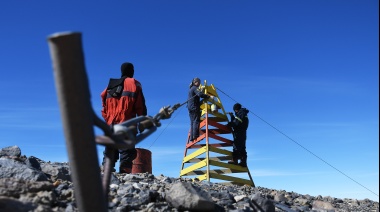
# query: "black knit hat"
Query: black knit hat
127,70
237,106
196,79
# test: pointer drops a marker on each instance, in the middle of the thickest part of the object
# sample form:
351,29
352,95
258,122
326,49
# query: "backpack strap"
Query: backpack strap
115,87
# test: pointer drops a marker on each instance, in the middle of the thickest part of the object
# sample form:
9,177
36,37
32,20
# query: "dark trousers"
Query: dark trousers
194,124
239,148
126,157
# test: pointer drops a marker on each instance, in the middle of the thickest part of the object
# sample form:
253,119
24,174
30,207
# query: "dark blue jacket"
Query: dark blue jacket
240,121
194,96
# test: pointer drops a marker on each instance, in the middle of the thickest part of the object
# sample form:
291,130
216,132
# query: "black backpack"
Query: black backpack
115,87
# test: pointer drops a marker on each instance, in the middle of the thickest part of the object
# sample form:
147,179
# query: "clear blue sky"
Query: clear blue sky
308,68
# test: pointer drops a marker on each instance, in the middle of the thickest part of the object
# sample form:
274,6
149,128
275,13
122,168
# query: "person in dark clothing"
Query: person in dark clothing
239,123
129,104
193,105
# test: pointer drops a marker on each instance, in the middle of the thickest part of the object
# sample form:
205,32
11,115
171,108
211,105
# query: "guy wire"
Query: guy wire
171,120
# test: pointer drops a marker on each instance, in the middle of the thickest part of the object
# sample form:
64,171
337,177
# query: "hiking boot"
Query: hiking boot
243,162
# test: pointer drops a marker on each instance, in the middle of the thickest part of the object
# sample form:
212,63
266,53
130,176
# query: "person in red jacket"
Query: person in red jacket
122,104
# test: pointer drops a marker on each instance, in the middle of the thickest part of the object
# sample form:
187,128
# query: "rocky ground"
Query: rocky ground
31,184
